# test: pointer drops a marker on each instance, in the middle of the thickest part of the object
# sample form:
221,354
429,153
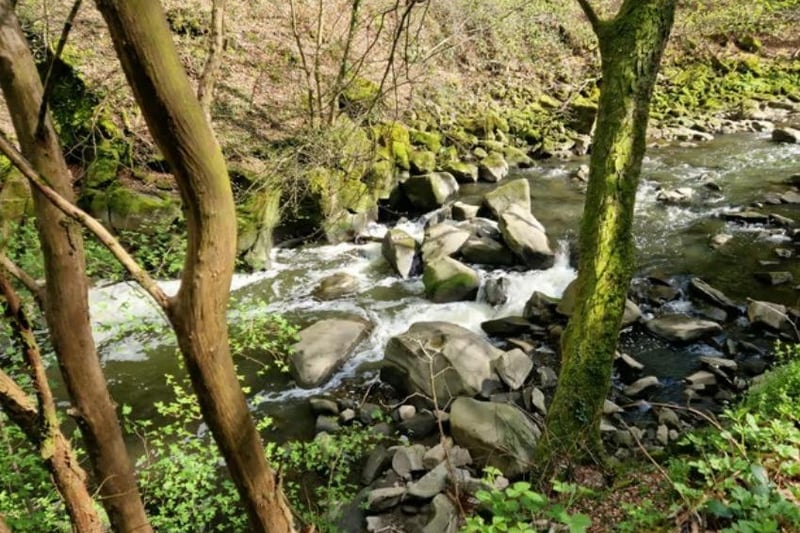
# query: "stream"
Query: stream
137,346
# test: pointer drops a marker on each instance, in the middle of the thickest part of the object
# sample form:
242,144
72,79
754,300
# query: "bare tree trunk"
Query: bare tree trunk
41,426
148,56
205,86
631,47
66,302
3,526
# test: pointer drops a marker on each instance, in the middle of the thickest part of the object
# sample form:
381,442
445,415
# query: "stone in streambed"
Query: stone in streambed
516,192
335,286
448,280
526,237
323,347
449,358
486,251
681,328
431,190
400,251
493,168
514,367
499,435
442,240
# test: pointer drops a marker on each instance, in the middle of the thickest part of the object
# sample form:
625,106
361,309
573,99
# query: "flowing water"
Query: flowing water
137,347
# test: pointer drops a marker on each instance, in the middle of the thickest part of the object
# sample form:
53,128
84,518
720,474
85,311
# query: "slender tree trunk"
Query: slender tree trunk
145,48
3,526
205,86
41,425
66,303
631,46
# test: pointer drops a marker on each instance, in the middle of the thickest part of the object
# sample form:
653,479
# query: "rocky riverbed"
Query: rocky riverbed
452,319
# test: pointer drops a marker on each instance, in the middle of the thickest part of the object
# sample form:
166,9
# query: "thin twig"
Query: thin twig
591,14
35,288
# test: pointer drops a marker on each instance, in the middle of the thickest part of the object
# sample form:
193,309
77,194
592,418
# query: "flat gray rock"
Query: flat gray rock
323,347
681,328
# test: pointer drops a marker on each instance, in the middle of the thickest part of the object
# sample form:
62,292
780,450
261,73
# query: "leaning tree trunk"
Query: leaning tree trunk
216,45
145,48
631,47
66,306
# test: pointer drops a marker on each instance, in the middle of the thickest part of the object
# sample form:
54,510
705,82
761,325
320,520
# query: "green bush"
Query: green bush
744,475
520,509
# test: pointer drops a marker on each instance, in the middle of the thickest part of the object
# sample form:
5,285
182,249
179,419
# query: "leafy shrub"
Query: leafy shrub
28,499
745,476
520,509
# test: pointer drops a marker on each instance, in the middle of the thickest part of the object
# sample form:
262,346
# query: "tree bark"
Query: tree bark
41,425
631,47
205,85
66,303
3,526
175,119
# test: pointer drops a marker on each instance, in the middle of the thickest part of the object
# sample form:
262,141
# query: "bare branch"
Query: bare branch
19,407
591,14
48,80
36,288
103,235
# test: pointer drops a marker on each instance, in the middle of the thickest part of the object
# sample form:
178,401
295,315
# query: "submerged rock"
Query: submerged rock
454,360
706,292
682,328
323,347
335,286
498,435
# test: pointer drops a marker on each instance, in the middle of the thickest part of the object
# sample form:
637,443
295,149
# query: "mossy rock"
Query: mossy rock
430,140
516,157
461,137
257,217
582,112
448,280
381,178
394,143
359,95
548,102
492,146
749,43
124,209
422,162
103,169
462,171
15,195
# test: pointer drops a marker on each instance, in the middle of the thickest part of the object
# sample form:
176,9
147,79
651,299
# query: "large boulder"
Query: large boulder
770,315
496,434
515,192
400,251
526,237
682,328
786,135
323,347
486,251
493,167
431,190
447,280
439,359
442,240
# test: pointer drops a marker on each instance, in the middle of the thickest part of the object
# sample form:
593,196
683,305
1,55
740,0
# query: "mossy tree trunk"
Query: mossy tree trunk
631,47
176,120
66,306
